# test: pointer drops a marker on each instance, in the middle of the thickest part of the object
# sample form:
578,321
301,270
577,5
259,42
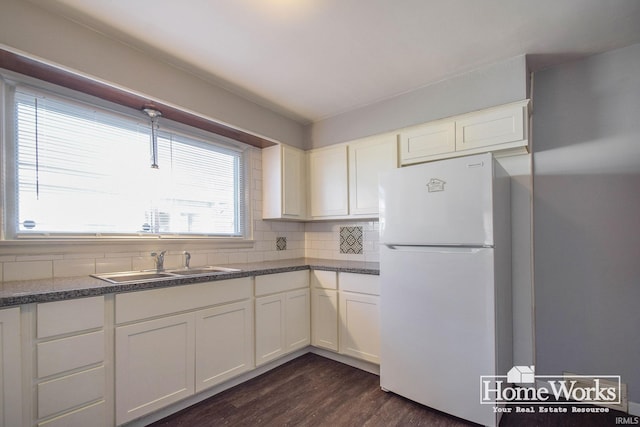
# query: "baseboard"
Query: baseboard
633,408
347,360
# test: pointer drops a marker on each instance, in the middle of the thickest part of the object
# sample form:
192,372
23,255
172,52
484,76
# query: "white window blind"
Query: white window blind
81,169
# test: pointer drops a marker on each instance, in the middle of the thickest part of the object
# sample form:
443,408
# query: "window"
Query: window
81,169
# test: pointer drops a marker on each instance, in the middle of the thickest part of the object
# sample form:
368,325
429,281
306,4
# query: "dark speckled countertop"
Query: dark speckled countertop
45,290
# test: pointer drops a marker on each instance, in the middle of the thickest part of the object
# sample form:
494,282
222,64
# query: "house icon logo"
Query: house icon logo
521,375
435,184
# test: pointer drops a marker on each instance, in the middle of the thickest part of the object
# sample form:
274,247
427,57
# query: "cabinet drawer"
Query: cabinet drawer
70,353
67,392
159,302
281,282
64,317
360,283
94,415
324,279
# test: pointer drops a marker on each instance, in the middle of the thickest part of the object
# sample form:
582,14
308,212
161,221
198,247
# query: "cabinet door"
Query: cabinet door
224,343
491,127
297,319
425,142
283,182
325,318
154,365
328,182
270,335
360,326
10,368
367,158
293,183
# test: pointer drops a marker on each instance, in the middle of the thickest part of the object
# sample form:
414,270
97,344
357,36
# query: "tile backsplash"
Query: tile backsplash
346,240
351,240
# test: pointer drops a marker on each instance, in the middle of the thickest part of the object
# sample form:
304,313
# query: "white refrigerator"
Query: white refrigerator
445,270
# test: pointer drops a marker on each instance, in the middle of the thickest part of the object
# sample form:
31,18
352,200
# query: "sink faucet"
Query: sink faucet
159,260
187,259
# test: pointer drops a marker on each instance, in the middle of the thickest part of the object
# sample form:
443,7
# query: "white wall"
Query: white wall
30,29
519,168
587,217
496,84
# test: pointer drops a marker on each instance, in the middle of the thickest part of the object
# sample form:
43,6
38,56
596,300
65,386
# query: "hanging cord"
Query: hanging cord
37,155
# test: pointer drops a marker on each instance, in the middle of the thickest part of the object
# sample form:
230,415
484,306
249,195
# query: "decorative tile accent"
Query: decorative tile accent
351,240
281,243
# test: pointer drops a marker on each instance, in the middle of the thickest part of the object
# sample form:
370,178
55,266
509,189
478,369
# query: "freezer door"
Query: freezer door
437,327
441,203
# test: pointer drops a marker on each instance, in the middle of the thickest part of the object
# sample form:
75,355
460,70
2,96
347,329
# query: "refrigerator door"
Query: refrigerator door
441,203
437,327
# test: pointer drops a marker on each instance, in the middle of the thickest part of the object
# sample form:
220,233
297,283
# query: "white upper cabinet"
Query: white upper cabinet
502,130
427,140
328,182
367,159
343,179
283,183
491,127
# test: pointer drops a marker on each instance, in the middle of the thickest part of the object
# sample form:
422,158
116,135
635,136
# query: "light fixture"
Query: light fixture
153,115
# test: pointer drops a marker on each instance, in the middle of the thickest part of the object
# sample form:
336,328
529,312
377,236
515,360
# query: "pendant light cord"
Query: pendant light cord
37,155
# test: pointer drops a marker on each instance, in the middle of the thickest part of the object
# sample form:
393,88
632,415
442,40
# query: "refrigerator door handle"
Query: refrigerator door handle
438,249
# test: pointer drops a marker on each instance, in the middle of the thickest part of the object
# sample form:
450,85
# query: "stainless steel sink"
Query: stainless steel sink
128,277
197,271
135,276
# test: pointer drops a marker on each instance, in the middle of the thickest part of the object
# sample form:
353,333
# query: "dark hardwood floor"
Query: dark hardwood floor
315,391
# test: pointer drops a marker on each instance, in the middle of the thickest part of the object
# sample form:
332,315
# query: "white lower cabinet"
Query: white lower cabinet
270,341
282,314
224,343
346,313
154,365
325,318
360,316
163,357
173,342
324,309
297,324
71,380
360,326
10,368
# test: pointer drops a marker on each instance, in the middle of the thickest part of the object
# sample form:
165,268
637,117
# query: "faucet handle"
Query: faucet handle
158,259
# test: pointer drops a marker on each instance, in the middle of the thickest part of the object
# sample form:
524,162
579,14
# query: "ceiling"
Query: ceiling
314,59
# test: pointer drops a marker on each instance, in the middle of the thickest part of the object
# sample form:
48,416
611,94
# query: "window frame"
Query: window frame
8,170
